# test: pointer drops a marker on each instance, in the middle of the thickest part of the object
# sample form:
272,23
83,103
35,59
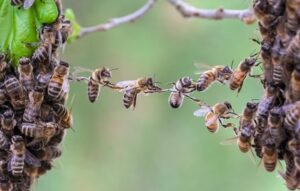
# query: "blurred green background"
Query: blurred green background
154,147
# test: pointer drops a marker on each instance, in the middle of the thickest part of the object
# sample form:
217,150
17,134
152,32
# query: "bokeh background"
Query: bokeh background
154,147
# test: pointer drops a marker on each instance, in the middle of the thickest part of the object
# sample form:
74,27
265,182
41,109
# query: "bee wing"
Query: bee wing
125,84
212,120
31,160
28,4
202,111
229,141
66,85
79,69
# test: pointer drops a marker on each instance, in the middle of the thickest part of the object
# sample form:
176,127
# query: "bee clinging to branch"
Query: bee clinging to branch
182,87
214,115
218,73
243,70
132,88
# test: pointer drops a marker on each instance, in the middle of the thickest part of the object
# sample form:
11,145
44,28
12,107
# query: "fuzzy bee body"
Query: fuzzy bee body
15,92
26,74
184,85
33,107
65,116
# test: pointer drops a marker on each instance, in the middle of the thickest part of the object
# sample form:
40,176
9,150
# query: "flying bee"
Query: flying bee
294,147
214,115
98,79
25,73
20,156
8,122
133,87
269,152
238,76
26,4
3,66
55,87
64,115
218,73
15,91
33,107
183,86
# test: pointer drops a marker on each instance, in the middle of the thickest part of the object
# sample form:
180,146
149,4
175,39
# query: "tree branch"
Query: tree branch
246,15
118,21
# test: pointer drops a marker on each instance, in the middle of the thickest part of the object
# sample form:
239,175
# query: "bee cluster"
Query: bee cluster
33,116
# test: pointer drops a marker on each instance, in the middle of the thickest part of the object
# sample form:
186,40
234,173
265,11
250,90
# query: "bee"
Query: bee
133,87
275,123
238,76
294,89
248,113
40,131
290,171
269,152
43,79
292,16
5,184
15,91
64,115
35,173
4,142
245,136
8,122
292,116
98,79
58,81
26,74
20,156
33,107
49,153
3,66
218,73
58,137
183,86
291,54
3,96
276,60
294,147
214,115
41,54
282,33
262,10
26,4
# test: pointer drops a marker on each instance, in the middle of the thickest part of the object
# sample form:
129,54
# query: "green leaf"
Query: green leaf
19,27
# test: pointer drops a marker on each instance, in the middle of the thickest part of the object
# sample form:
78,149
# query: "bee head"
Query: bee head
62,68
186,81
251,105
18,143
228,105
275,116
24,61
105,72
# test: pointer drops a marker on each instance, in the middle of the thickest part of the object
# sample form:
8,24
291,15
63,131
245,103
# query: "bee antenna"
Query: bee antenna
255,40
232,62
114,69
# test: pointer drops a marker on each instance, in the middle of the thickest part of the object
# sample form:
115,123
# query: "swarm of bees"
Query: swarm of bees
34,118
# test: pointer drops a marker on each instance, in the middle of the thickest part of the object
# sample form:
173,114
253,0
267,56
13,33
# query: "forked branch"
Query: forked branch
118,21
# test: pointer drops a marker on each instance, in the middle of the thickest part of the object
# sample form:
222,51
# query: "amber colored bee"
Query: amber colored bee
183,86
64,115
33,107
3,66
58,137
245,136
8,121
57,81
20,156
133,87
15,91
269,152
26,74
98,79
218,73
26,4
238,76
214,115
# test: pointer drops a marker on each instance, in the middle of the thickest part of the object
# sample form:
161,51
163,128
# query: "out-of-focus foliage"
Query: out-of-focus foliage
19,28
154,147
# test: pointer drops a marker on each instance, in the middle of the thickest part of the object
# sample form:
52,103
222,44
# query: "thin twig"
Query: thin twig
118,21
187,10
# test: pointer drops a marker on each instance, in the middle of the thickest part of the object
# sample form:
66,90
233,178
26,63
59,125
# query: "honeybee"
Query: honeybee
40,131
276,60
64,115
20,156
33,107
5,184
15,92
290,171
294,147
294,88
218,73
4,142
58,80
293,49
214,115
43,79
183,86
25,73
238,76
248,113
26,4
8,121
35,173
292,116
269,152
292,16
275,123
58,137
49,153
3,66
41,54
3,96
265,13
98,79
133,87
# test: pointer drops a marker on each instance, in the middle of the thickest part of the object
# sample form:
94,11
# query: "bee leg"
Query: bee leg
134,101
255,76
226,125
